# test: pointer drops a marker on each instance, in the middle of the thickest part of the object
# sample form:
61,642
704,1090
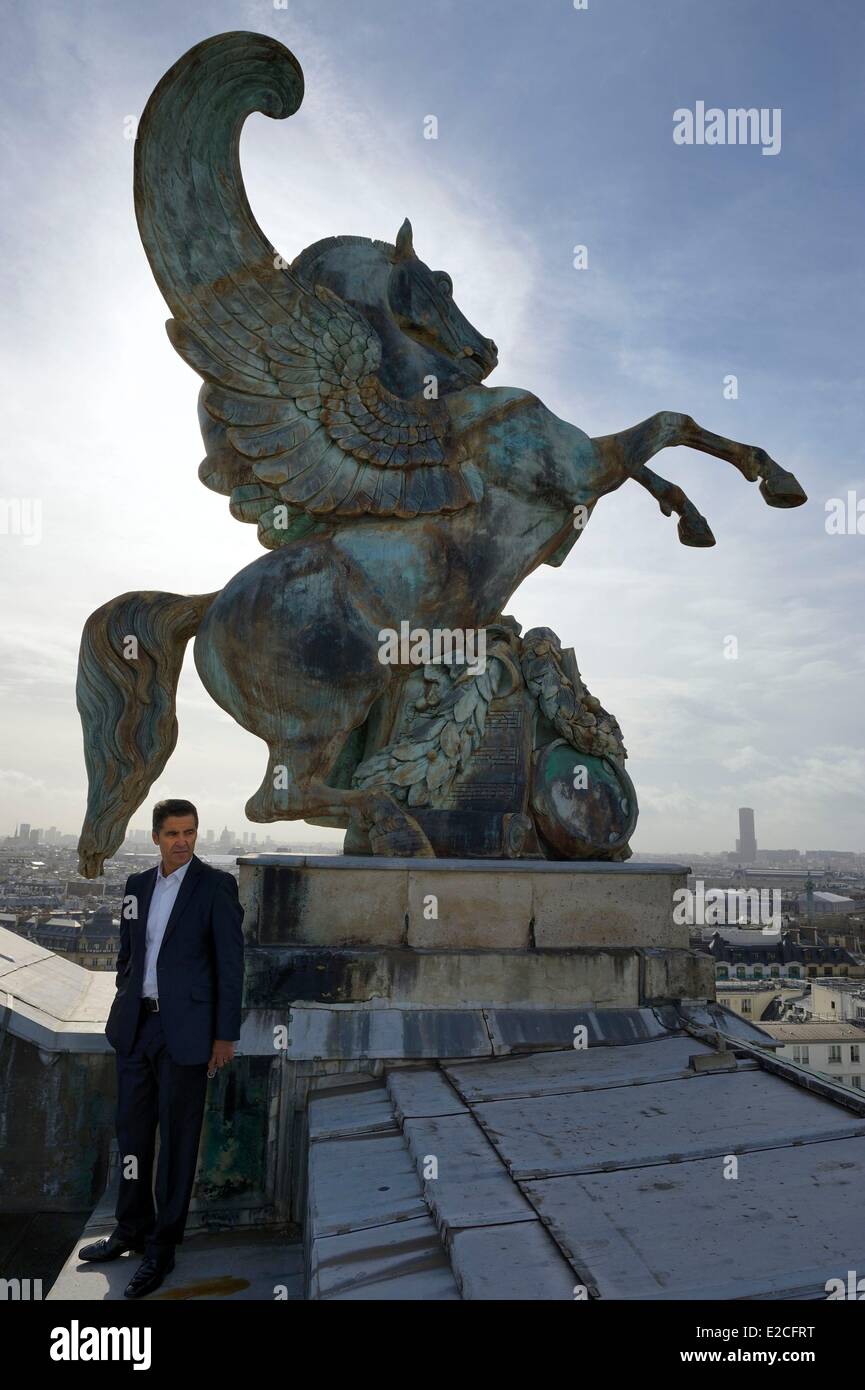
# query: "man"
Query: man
174,1022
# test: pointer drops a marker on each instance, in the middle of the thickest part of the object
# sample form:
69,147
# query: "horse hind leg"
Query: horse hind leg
291,651
294,788
305,729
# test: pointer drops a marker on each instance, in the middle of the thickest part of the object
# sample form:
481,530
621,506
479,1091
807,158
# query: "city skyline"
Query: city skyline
25,833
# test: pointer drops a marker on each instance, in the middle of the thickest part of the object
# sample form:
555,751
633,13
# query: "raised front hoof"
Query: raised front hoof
782,489
694,529
393,833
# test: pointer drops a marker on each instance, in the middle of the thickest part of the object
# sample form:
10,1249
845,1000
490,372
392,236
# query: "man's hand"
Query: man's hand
222,1053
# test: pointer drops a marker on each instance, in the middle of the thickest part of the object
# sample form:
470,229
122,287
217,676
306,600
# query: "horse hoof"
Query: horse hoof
782,489
395,834
694,529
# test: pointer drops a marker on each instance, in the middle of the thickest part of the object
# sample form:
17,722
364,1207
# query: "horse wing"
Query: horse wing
320,432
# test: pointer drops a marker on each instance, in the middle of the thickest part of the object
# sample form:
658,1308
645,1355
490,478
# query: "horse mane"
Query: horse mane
305,262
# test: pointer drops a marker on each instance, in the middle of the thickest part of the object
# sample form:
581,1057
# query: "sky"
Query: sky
555,129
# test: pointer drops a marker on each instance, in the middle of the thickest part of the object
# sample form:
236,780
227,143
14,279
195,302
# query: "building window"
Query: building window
812,971
854,1052
800,1054
827,970
775,971
793,972
758,972
746,1006
805,1056
741,972
835,1053
722,972
857,1082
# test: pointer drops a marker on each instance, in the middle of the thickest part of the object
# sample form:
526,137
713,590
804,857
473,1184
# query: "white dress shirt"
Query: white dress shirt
161,903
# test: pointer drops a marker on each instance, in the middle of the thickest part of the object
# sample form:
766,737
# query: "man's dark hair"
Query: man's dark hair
173,807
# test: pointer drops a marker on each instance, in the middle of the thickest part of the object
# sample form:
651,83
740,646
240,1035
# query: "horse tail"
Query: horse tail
128,668
193,214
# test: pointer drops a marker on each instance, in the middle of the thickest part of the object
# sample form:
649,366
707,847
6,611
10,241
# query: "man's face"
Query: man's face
176,841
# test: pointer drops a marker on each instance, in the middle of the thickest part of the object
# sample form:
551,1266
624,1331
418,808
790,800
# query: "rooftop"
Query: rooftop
538,1158
534,1173
814,1032
742,936
53,1002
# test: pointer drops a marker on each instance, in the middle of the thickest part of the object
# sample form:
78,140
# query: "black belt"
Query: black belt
151,1005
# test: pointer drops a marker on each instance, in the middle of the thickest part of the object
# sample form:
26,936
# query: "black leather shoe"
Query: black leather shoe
108,1249
149,1275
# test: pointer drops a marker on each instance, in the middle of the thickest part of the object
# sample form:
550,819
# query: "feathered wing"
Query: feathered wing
299,430
319,438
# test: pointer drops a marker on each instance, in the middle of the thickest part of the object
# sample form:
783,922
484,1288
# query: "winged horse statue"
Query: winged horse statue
344,414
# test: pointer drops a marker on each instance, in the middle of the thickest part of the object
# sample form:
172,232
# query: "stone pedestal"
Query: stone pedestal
458,904
336,933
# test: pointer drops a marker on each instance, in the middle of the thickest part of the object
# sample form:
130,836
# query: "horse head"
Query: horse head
423,332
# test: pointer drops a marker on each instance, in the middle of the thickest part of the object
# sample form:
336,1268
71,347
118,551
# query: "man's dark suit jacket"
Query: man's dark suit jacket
199,968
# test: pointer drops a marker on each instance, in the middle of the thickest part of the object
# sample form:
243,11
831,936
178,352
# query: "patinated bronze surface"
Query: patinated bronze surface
344,415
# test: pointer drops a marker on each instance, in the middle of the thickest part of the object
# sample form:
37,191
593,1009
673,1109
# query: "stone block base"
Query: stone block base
463,904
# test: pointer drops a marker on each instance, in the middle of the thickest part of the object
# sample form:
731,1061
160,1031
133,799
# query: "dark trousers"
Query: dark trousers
151,1090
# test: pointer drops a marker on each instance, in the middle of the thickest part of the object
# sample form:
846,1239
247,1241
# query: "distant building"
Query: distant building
787,879
84,888
747,842
840,930
834,1049
742,954
838,1001
838,858
58,934
820,903
759,999
99,941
